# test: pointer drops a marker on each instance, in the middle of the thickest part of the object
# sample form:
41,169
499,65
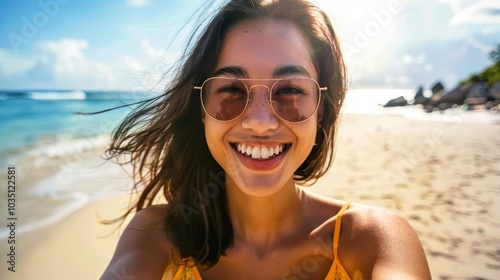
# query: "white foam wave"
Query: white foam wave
57,95
75,181
67,146
74,201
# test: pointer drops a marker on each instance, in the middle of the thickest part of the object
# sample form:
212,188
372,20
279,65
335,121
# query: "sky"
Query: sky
130,44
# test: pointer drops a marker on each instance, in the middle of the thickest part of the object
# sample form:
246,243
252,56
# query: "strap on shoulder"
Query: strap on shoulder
336,232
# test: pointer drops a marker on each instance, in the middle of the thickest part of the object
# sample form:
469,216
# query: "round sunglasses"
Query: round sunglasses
292,99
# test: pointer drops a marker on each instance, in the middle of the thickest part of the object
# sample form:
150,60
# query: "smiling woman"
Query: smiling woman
252,113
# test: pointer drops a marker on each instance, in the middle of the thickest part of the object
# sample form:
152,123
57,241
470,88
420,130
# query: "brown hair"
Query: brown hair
164,138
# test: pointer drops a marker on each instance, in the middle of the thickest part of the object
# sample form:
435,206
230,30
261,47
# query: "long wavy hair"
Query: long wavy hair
164,140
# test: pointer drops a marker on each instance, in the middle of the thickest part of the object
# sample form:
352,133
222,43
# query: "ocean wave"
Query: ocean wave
71,95
54,95
67,146
66,176
72,203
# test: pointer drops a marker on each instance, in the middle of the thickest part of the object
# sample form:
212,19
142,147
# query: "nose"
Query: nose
259,116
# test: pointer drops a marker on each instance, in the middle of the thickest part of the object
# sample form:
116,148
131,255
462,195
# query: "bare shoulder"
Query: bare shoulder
365,219
390,247
143,250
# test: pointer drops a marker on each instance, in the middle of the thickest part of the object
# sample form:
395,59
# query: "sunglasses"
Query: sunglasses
292,99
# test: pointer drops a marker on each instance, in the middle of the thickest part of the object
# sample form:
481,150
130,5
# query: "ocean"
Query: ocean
33,118
49,145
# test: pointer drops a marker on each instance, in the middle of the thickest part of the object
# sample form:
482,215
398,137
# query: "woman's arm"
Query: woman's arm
400,254
142,251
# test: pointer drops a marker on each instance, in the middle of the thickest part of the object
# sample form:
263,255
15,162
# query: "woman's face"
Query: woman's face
262,49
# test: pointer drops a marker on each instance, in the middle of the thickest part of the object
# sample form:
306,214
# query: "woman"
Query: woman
252,112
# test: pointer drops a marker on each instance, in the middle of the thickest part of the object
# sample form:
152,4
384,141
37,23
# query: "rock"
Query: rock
477,94
455,96
495,91
437,88
443,106
399,101
419,97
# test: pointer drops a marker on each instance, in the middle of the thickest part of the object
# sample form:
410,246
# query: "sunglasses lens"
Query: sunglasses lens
224,99
294,100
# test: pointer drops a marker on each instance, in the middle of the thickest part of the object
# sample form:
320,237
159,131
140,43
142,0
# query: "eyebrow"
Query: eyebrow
230,70
278,72
291,70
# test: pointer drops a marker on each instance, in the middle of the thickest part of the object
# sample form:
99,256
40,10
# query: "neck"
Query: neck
262,221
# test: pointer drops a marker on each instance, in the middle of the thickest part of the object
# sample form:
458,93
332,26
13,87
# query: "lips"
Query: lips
260,153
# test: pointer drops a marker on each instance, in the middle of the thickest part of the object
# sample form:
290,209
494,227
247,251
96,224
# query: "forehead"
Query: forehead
261,46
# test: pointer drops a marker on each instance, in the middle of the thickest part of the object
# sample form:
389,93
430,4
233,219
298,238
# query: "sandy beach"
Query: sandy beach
444,177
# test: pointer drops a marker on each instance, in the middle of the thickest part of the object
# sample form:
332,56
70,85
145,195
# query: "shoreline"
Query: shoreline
58,180
441,176
77,247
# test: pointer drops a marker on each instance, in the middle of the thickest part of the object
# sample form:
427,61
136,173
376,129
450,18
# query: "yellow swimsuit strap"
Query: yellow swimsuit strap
336,234
337,271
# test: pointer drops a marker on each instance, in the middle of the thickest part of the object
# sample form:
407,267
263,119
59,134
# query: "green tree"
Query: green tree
495,54
491,74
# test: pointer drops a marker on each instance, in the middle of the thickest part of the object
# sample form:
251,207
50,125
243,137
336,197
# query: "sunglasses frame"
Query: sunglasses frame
249,99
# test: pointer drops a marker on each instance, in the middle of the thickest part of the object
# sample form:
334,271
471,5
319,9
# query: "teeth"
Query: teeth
256,153
260,152
265,153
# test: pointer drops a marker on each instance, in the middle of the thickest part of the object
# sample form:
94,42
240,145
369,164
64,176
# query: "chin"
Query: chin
260,186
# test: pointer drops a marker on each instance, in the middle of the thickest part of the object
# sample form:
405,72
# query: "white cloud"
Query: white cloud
54,64
65,61
138,3
475,12
479,45
420,58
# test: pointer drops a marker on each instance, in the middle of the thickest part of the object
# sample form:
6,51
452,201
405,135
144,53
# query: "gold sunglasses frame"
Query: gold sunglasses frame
269,90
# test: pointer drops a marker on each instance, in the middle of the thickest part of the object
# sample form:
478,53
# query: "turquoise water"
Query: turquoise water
33,118
43,135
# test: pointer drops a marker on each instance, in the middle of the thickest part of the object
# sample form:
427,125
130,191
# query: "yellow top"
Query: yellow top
336,272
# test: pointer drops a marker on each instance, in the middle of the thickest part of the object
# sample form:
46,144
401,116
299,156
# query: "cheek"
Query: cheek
306,133
214,135
210,133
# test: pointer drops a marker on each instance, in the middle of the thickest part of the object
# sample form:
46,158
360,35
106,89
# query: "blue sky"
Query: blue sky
128,44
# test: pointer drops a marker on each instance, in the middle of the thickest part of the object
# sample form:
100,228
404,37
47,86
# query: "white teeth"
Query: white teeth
264,153
260,152
255,152
241,148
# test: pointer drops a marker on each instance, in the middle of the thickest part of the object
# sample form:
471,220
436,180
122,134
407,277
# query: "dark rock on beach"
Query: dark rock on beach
437,88
455,96
399,101
419,97
477,94
495,92
471,95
